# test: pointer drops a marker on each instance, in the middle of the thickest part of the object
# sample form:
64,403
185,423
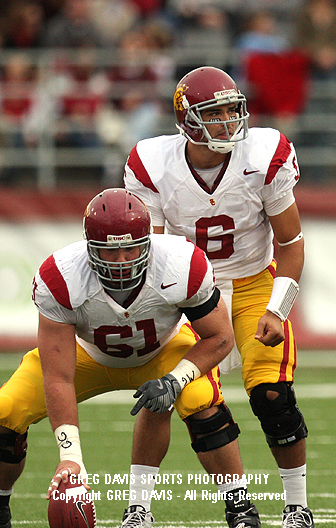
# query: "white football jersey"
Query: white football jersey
67,290
230,223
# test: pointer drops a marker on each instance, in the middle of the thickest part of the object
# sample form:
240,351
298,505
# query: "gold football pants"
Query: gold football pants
22,399
261,364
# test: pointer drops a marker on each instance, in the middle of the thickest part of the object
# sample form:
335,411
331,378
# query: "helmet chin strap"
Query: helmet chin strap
224,147
221,149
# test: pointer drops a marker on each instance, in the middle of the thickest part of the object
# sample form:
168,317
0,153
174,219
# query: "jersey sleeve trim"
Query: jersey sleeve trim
197,312
197,272
55,282
135,164
280,157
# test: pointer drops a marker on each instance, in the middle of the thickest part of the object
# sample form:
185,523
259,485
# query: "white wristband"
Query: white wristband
67,437
283,295
185,372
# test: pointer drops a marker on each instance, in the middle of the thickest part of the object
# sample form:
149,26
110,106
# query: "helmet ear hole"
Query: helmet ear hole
196,133
115,219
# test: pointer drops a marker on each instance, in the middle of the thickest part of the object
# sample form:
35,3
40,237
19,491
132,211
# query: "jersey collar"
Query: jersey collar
200,180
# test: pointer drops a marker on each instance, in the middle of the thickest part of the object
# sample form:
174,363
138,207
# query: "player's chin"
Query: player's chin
125,281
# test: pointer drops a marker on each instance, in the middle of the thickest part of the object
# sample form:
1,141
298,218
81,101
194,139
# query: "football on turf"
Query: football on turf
70,506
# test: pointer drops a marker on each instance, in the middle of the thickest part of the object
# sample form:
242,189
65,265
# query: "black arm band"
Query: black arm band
198,312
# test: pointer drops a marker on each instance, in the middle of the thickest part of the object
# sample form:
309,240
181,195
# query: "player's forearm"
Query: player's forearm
209,352
63,416
290,261
217,339
57,350
61,403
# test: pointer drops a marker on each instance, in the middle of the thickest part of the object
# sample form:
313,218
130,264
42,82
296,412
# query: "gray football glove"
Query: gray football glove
157,395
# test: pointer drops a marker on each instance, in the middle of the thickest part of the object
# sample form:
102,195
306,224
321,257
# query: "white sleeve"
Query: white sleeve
47,304
279,204
150,198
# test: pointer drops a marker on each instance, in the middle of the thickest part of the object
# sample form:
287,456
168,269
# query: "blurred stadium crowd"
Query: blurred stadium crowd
81,81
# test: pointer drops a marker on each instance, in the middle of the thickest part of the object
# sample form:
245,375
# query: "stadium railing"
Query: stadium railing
45,164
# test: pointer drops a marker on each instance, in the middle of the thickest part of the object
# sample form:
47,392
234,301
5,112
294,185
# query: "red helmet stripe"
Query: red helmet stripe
54,280
135,164
197,272
280,157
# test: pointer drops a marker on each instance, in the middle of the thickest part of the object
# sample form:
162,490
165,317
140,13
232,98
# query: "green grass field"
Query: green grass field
106,435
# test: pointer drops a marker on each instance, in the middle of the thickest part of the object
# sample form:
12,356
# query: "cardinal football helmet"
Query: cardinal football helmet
116,218
205,88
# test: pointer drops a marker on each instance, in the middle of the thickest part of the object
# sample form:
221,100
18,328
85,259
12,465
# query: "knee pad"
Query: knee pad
213,436
281,418
13,447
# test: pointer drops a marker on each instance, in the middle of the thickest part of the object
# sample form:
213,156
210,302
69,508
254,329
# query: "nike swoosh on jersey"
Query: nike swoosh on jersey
164,286
246,172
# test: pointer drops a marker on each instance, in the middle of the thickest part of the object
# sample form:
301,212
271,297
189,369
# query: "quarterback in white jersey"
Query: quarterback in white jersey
230,190
126,309
228,223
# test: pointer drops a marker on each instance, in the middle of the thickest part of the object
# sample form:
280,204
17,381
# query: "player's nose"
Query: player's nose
121,256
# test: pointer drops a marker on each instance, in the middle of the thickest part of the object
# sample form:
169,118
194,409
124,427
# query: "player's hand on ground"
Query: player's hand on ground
63,472
270,331
157,395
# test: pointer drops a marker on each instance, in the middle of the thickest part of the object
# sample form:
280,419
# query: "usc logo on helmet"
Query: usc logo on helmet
178,97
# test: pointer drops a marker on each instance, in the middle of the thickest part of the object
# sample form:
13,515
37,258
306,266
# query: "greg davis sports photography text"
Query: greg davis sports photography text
173,486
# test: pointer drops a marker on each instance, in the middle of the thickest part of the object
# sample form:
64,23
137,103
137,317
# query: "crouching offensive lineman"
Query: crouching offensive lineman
113,314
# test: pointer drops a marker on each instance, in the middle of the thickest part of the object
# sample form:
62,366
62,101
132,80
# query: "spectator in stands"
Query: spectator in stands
3,25
82,93
149,8
112,18
132,66
316,36
72,27
17,90
203,31
51,7
160,36
133,88
263,34
24,26
272,73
